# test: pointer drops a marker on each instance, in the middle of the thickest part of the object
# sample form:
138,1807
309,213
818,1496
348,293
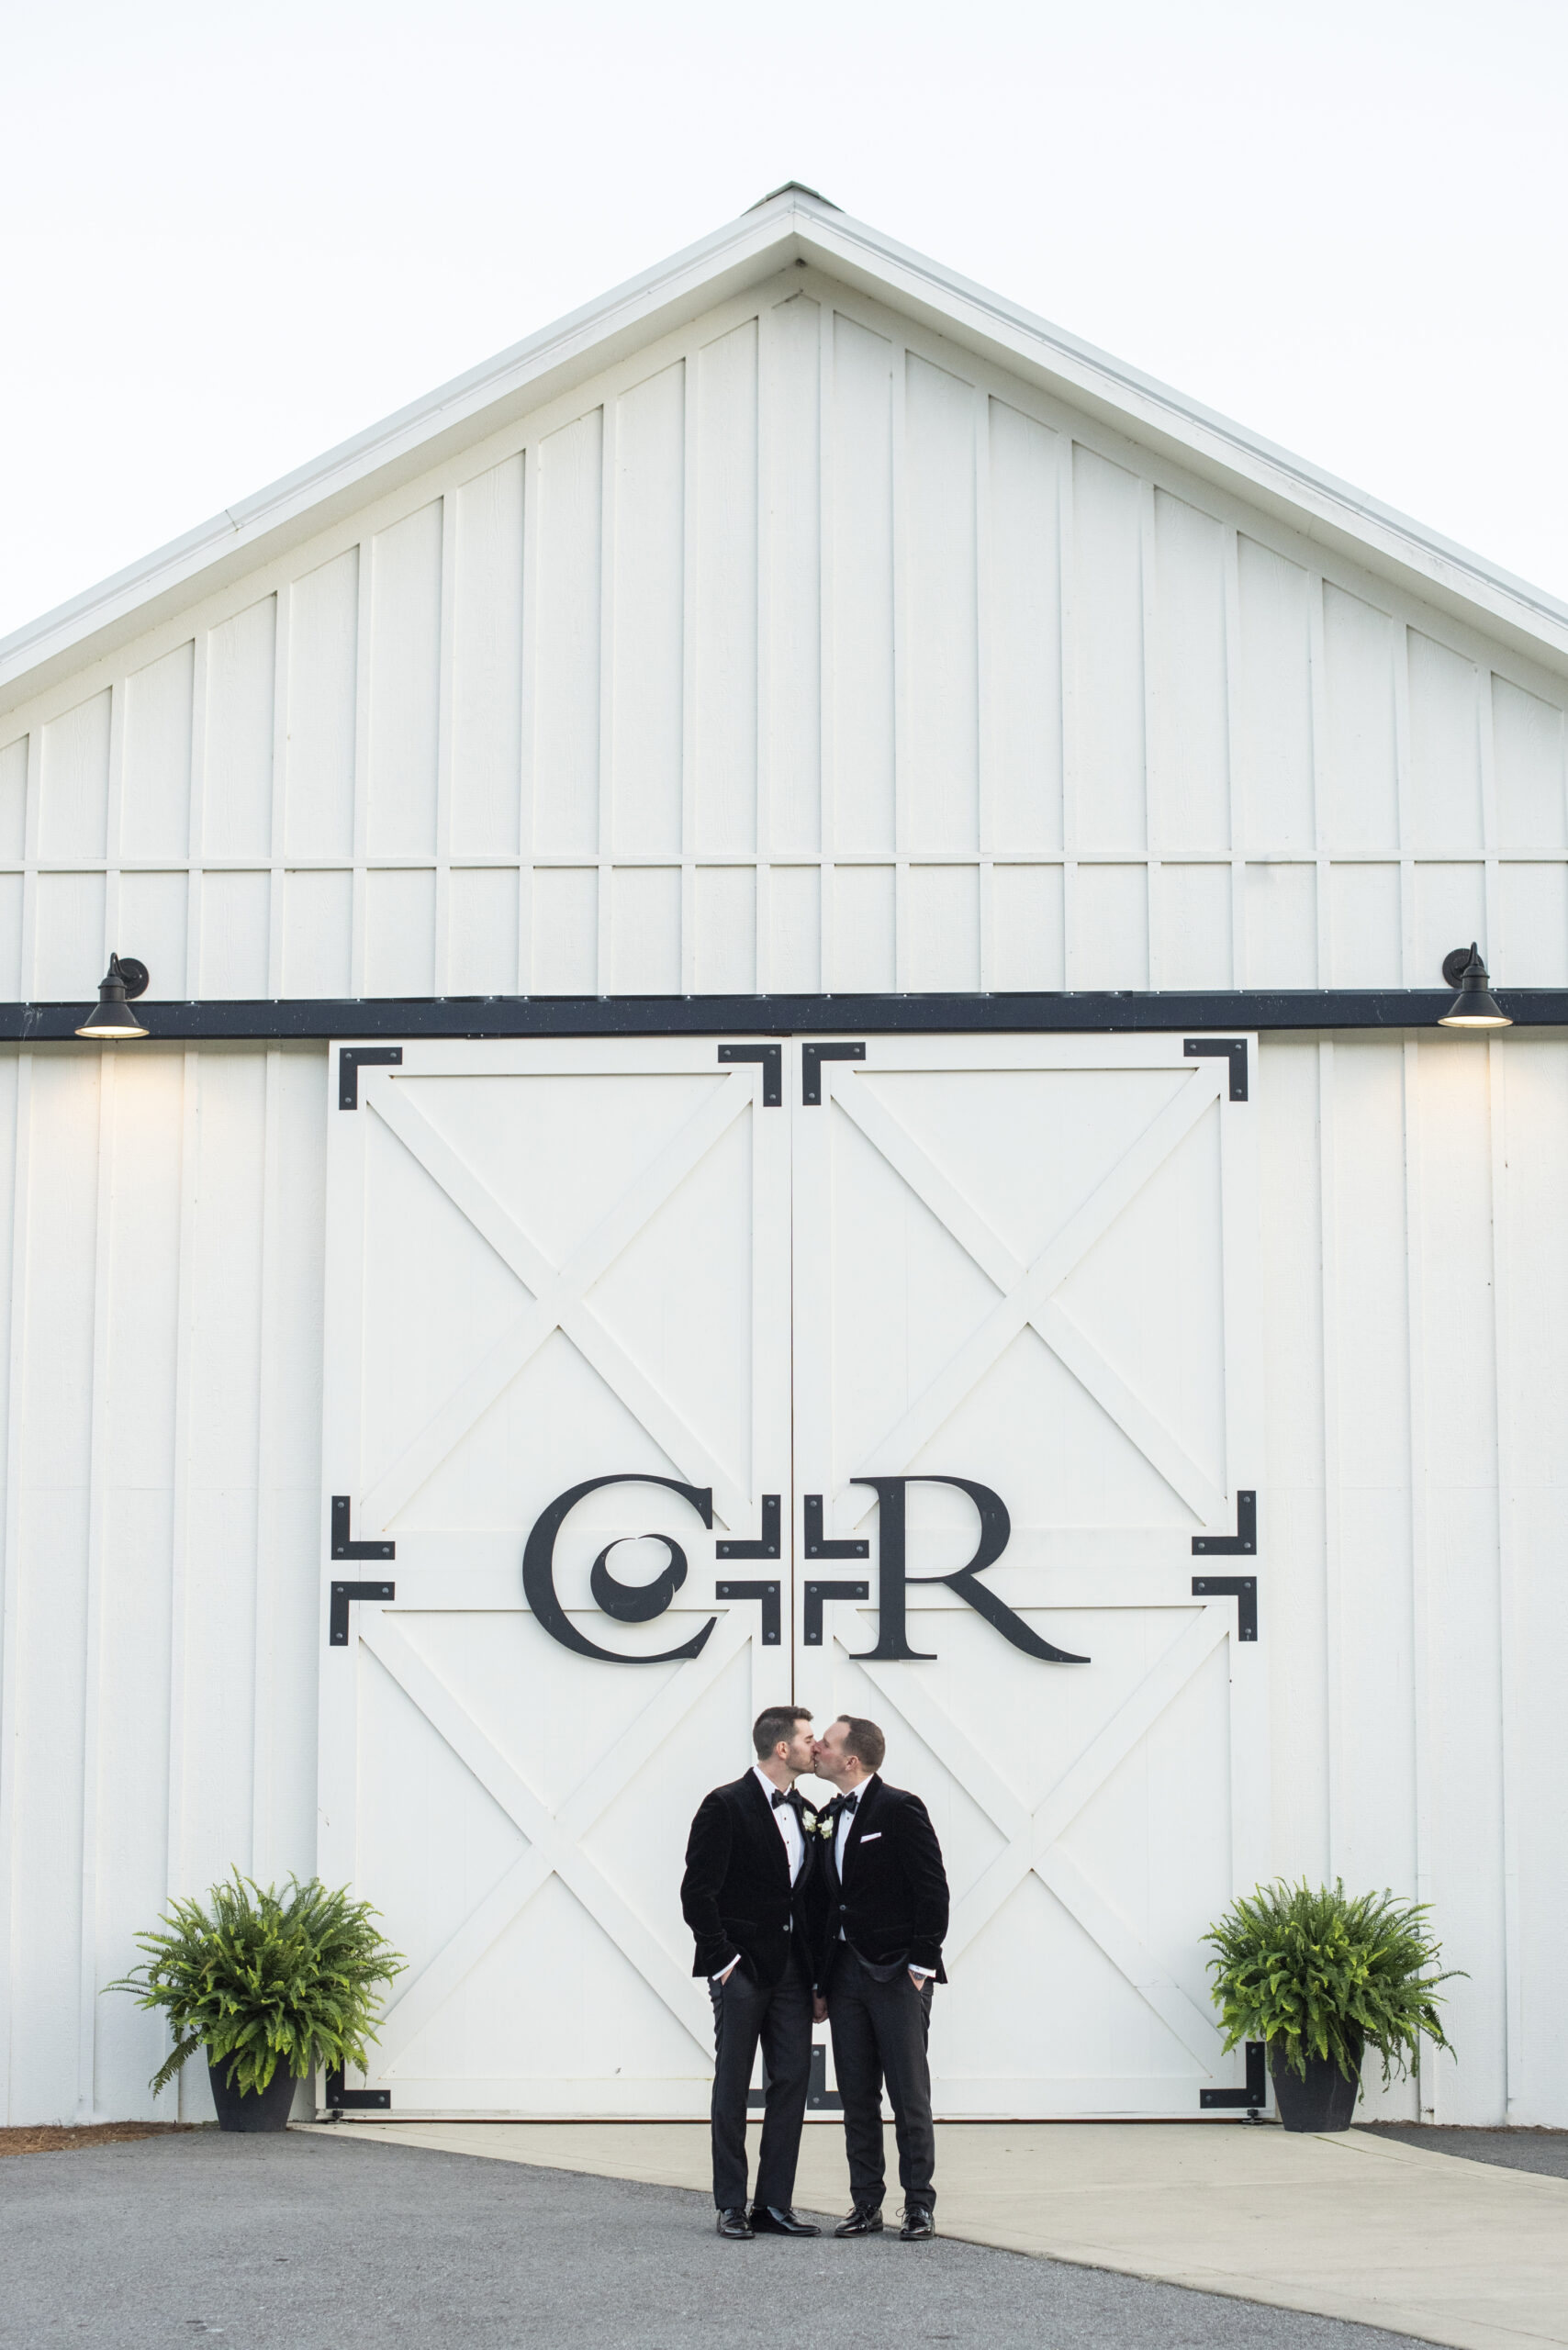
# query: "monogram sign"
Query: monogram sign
641,1602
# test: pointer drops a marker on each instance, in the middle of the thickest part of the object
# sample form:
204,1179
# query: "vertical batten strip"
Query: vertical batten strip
1487,746
690,453
30,863
366,622
827,569
528,748
120,700
266,1713
1514,1627
446,702
1235,800
899,506
282,632
1405,811
1318,679
985,688
1065,601
10,1567
1422,1673
1330,1260
196,812
610,438
175,1884
1154,825
762,908
92,1662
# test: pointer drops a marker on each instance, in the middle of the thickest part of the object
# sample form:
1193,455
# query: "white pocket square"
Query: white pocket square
872,1837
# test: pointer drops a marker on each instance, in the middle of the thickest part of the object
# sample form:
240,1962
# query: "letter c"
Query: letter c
538,1568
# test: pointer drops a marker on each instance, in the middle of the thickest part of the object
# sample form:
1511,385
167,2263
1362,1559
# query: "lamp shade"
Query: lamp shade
112,1017
1474,1006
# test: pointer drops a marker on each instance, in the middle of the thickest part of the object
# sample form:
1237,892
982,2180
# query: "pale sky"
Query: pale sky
232,236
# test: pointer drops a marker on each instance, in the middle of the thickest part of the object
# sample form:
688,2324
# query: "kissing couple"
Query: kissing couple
801,1916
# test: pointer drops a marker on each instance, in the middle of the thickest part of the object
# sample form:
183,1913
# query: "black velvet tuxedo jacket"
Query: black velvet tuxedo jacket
892,1901
736,1895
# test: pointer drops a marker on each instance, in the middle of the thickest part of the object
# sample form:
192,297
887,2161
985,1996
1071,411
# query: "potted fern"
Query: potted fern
1321,1979
271,1984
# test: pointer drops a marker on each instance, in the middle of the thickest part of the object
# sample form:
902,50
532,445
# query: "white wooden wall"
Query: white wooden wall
799,651
161,1261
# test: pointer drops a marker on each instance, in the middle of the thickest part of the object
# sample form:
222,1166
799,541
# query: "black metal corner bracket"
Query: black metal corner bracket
1243,1589
772,1059
342,2100
352,1059
818,1545
819,2098
1231,1048
1253,2098
338,1613
1243,1543
816,1594
771,1596
811,1059
343,1547
771,1544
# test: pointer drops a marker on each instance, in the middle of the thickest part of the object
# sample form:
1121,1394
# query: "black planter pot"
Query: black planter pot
1325,2101
267,2110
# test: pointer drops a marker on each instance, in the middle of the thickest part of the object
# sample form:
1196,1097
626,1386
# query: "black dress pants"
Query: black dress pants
879,2032
780,2017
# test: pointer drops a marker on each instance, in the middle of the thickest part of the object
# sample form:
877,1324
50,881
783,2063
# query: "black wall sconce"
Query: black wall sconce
112,1017
1474,1006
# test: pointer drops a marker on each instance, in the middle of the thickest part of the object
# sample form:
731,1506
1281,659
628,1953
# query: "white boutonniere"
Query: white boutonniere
824,1827
808,1818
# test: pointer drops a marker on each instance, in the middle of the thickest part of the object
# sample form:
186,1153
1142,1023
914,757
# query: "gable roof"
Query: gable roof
793,223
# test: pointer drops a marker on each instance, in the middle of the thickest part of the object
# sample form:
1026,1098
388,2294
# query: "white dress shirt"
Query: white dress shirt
786,1819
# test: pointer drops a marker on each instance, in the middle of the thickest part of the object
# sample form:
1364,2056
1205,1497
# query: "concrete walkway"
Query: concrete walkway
1350,2226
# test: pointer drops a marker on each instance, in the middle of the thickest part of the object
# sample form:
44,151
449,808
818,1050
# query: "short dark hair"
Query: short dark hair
773,1723
864,1740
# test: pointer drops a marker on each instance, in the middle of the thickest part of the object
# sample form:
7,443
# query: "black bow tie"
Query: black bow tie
779,1798
847,1803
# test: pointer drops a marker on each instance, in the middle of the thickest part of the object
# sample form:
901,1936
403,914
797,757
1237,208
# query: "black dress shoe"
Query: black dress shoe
768,2219
736,2223
918,2224
865,2220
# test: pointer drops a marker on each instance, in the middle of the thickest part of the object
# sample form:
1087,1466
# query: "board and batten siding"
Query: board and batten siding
800,652
160,1287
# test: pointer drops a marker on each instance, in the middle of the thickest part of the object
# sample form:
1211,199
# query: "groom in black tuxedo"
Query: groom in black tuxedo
751,1898
886,1912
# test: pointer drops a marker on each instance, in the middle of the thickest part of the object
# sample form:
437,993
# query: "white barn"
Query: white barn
779,769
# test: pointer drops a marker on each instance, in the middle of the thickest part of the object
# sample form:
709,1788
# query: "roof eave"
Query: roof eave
792,225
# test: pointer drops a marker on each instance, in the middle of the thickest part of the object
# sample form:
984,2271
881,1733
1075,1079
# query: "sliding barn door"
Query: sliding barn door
1025,1295
909,1377
555,1270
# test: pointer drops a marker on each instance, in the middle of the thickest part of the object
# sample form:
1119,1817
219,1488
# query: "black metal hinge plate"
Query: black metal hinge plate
344,1546
811,1059
337,1613
352,1059
816,1596
1243,1589
1243,1543
772,1059
819,1546
344,2100
1231,1048
1252,2097
771,1597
